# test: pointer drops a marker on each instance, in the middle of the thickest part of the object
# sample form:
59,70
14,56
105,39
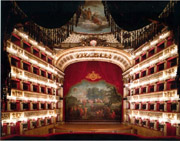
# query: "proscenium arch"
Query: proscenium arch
106,54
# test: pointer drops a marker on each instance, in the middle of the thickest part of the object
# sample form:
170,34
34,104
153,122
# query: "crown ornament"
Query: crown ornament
93,76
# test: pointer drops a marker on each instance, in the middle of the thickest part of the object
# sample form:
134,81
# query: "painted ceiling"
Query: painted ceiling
92,18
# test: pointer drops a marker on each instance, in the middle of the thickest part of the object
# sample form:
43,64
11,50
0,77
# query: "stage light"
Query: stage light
33,61
22,55
164,35
152,43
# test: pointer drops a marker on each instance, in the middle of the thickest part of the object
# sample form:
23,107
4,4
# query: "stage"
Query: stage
92,128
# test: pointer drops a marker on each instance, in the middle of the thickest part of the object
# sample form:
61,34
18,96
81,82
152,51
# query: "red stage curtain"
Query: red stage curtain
18,105
4,129
169,41
157,126
76,72
168,107
13,129
29,124
18,124
171,130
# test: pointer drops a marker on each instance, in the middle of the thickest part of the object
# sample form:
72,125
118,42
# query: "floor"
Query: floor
93,127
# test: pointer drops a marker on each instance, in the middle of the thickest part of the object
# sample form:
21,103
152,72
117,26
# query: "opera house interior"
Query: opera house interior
90,70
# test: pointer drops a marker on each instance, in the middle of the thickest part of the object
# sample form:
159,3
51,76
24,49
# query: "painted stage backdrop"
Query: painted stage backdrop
93,101
92,18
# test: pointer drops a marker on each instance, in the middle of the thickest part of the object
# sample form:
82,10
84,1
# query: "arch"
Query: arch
106,54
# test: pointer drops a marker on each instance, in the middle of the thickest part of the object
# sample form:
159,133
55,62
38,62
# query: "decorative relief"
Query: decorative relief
170,71
5,116
52,97
30,56
128,111
23,54
93,76
34,95
166,51
27,76
136,81
154,114
19,94
33,76
146,79
16,70
158,55
50,67
51,81
143,113
19,72
21,115
71,57
152,95
129,97
119,57
51,112
16,115
135,112
170,93
58,111
135,67
102,55
143,79
170,116
35,113
156,58
19,50
155,96
178,116
57,98
16,93
136,97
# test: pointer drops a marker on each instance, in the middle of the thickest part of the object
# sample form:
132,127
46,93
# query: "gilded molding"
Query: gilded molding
107,54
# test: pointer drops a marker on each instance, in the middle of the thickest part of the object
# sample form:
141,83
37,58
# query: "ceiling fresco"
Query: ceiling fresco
92,18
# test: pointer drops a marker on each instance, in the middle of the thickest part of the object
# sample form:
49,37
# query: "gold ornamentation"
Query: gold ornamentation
87,55
5,116
93,76
35,113
16,93
16,115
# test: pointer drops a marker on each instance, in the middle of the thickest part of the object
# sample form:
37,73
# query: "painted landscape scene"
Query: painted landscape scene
93,101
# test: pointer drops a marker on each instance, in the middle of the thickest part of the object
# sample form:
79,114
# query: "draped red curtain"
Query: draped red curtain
76,72
171,130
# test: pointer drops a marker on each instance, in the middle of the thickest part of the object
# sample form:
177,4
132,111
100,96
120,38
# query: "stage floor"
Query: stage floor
83,127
